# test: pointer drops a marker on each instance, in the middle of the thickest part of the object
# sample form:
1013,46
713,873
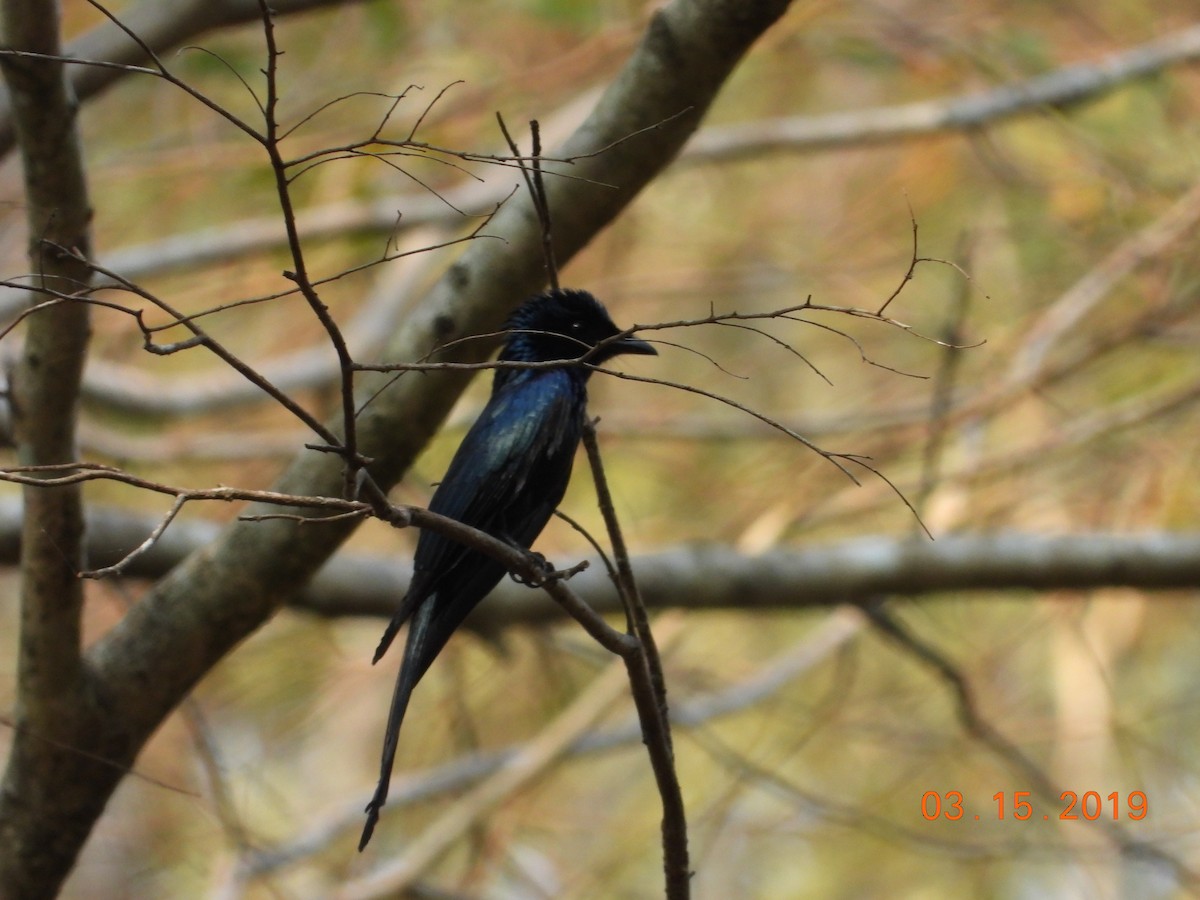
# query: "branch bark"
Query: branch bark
45,808
1059,89
704,577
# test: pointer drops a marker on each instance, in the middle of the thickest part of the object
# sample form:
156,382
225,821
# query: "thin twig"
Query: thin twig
943,385
595,544
649,690
160,70
118,567
543,205
271,139
537,192
221,351
912,265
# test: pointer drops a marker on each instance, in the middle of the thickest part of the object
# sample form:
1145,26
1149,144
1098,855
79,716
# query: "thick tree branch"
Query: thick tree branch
45,813
706,576
1059,89
714,577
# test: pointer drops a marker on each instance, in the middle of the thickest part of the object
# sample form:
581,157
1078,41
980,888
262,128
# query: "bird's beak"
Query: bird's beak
633,346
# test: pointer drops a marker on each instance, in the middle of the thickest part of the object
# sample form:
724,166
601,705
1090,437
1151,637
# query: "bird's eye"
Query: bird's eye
576,326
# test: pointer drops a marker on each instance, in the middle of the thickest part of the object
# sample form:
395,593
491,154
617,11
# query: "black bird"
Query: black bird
507,477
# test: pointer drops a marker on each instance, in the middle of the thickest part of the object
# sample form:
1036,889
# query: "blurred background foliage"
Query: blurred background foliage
813,788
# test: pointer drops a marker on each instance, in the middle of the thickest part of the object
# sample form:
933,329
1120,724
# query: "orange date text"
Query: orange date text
1021,805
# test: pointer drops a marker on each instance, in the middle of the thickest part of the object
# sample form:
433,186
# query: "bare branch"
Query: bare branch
202,338
41,835
648,685
699,577
1060,89
348,443
118,567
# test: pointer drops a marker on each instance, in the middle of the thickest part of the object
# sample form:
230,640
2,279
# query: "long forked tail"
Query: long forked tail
411,669
393,626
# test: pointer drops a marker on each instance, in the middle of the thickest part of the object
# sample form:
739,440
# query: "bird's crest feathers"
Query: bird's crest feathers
564,324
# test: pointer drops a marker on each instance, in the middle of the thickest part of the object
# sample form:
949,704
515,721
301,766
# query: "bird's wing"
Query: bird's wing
516,431
511,468
506,478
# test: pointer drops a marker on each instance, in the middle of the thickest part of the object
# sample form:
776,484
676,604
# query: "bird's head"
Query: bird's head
566,324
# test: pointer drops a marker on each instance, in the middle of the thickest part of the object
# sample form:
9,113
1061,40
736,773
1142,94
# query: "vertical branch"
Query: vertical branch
536,185
649,689
944,379
635,609
543,206
643,663
300,276
45,392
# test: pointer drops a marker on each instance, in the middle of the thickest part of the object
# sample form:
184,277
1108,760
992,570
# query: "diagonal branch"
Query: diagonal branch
1059,89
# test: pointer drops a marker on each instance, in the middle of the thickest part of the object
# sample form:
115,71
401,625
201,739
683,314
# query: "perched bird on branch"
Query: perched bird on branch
509,474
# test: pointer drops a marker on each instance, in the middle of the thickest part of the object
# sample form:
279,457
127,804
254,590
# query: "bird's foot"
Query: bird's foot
536,559
548,572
